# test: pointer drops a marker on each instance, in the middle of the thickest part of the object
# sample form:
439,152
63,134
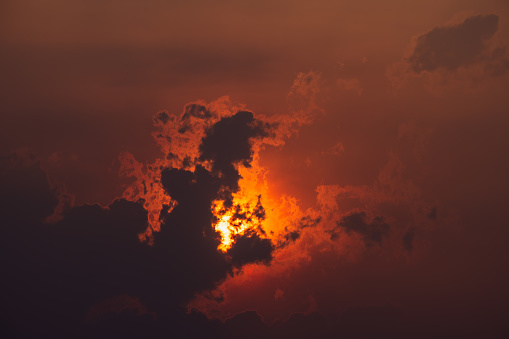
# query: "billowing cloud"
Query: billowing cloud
453,55
91,265
454,46
314,202
194,223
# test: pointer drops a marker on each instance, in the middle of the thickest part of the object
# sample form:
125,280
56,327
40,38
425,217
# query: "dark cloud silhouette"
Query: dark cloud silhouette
56,275
251,248
451,47
299,325
228,143
359,323
294,235
162,117
247,325
374,322
356,222
308,221
27,195
355,322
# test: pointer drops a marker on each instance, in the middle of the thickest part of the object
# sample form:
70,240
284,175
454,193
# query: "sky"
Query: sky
241,169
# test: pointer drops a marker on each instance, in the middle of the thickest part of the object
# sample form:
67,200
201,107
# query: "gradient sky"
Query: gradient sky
377,138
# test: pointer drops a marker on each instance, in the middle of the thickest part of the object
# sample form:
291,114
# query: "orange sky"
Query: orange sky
83,75
397,109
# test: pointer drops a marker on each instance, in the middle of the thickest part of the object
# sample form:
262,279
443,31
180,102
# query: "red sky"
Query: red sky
390,113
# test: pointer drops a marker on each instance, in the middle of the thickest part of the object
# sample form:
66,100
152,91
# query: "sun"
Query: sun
236,221
246,213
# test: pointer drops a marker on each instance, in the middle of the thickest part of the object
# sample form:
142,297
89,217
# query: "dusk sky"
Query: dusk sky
254,169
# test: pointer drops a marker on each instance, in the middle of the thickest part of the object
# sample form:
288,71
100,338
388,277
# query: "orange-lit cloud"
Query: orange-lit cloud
287,169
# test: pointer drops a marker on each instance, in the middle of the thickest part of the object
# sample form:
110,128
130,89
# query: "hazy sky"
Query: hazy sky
377,142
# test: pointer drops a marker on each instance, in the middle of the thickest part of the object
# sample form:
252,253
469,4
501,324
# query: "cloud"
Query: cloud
304,98
374,322
27,196
91,261
347,228
453,56
371,232
250,248
227,143
451,47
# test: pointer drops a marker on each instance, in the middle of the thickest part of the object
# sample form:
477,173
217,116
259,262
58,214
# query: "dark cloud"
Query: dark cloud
248,324
355,323
371,232
375,322
229,142
249,247
52,274
299,325
308,221
290,236
56,275
294,235
358,323
162,117
27,195
451,47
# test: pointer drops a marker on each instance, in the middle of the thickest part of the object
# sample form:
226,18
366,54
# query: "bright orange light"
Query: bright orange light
254,209
235,221
247,212
223,227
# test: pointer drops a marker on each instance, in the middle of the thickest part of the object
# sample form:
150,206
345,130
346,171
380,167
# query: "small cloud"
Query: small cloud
371,232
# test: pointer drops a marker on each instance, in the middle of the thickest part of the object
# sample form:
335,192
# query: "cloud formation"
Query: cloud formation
371,232
89,273
451,47
453,55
